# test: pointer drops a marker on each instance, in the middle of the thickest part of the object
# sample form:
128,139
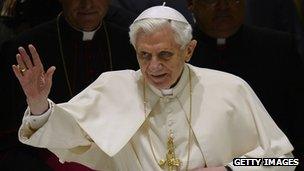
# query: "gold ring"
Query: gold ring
22,70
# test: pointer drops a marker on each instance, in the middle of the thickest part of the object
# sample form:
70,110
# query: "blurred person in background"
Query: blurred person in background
82,42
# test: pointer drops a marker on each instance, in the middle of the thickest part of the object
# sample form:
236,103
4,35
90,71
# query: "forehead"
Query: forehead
162,38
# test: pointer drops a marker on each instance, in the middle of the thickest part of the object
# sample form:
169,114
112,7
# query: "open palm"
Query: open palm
35,82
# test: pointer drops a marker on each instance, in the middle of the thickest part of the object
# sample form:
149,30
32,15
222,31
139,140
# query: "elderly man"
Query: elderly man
167,116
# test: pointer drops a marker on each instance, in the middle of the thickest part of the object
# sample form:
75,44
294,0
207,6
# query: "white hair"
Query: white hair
182,31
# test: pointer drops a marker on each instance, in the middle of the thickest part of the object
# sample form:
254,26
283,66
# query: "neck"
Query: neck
87,35
220,34
180,75
76,27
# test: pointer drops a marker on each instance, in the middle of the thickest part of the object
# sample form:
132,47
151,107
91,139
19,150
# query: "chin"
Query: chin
89,27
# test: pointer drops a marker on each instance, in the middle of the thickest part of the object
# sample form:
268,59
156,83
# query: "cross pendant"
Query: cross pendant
171,161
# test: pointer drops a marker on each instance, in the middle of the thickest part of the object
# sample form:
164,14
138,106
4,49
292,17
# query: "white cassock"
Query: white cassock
108,127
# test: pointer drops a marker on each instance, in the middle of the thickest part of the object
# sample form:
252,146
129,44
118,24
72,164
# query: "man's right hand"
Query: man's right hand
35,82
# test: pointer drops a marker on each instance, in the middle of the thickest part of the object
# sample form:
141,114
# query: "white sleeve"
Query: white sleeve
56,128
37,121
271,142
58,131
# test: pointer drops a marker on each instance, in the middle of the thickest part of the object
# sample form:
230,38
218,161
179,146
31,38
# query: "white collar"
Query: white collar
220,41
88,35
167,92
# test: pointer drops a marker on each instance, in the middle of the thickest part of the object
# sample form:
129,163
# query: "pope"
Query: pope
169,115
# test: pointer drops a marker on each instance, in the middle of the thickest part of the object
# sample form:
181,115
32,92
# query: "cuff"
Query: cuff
37,121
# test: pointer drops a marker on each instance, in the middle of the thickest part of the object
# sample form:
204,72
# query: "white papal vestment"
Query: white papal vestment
107,126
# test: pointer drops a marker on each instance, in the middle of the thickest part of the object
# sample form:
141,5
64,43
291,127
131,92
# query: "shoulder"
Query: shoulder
266,34
218,87
116,33
114,82
34,36
119,73
40,36
217,80
120,77
271,45
42,30
120,17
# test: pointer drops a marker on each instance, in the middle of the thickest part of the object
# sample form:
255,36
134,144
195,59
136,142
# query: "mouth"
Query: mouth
158,77
219,17
86,13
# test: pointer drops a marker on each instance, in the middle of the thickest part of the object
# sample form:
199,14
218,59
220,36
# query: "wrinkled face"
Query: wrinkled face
218,18
160,58
85,14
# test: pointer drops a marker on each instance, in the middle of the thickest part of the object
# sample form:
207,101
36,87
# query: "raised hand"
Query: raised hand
35,82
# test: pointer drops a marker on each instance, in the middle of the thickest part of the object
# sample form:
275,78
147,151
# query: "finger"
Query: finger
20,62
24,56
35,56
49,76
17,72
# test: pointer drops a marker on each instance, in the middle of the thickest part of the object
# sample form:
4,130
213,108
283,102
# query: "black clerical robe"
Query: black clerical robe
80,63
83,61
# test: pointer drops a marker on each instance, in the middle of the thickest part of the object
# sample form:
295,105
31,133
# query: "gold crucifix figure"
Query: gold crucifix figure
171,161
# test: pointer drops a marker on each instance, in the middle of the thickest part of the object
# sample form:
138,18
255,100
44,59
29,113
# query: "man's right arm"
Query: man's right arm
35,82
35,122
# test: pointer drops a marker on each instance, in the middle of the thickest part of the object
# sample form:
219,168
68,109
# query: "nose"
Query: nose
222,4
155,64
85,4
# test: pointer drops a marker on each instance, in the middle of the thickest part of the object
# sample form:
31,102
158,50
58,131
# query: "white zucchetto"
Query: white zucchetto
161,12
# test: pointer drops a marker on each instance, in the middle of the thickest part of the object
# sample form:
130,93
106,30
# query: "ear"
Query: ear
190,5
190,49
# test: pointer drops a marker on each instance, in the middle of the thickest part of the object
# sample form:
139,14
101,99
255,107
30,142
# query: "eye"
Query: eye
165,54
144,55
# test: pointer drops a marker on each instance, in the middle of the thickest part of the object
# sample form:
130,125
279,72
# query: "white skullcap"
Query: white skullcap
162,12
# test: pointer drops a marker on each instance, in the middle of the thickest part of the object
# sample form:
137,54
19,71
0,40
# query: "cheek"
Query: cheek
102,6
173,71
177,68
143,67
203,19
239,16
141,63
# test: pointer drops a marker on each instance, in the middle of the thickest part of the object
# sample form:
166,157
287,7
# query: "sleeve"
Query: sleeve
272,142
59,132
52,130
35,122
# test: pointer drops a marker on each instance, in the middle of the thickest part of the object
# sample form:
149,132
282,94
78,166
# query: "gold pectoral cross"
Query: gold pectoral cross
171,161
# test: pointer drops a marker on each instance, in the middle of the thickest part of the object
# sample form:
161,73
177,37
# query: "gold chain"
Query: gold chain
170,140
62,54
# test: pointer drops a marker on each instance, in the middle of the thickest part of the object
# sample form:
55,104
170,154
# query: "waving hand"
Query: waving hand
35,82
